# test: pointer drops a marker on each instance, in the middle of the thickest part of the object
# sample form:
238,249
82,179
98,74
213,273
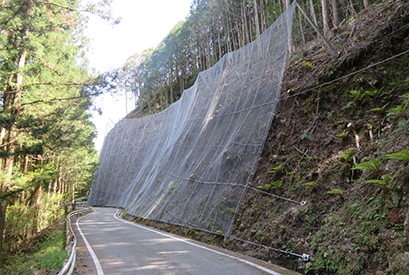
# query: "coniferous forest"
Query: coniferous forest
46,136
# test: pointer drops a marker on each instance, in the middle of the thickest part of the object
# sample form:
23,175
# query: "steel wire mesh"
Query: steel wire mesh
190,164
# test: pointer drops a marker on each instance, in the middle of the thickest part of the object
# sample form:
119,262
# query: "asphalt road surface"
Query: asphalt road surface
122,247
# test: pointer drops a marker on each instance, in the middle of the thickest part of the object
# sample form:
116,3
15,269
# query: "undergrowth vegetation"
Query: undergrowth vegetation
46,255
343,149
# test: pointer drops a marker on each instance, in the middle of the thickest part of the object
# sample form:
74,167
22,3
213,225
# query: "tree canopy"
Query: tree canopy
47,153
158,76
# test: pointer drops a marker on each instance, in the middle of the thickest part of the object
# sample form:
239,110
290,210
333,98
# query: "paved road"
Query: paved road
122,247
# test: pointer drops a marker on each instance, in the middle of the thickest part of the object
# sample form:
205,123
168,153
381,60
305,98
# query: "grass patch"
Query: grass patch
47,254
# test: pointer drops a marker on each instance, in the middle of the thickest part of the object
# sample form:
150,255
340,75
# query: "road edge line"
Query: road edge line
90,250
269,271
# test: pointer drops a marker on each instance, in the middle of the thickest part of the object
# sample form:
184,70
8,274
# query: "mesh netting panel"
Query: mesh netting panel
190,164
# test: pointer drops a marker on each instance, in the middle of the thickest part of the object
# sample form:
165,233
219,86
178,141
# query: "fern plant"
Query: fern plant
373,165
402,155
337,192
313,184
380,109
357,95
343,135
385,180
374,93
276,183
398,111
275,169
348,155
394,197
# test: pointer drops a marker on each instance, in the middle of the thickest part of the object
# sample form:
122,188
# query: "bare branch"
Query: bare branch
59,84
62,6
62,99
72,9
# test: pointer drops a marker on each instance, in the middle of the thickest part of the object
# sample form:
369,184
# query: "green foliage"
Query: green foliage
274,183
401,155
19,220
374,93
344,134
398,111
48,256
357,95
373,165
385,180
348,155
275,169
395,197
349,234
380,109
51,255
309,64
311,183
46,92
335,192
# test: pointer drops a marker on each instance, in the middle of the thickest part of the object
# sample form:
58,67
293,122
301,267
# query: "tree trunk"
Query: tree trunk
182,80
247,26
244,26
280,4
74,206
171,84
301,28
366,4
6,110
208,51
227,35
219,40
240,41
325,16
3,210
15,108
256,18
290,40
263,16
335,13
149,104
229,38
166,97
312,12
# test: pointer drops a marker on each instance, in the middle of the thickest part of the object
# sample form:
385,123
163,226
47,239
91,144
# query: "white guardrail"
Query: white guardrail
69,264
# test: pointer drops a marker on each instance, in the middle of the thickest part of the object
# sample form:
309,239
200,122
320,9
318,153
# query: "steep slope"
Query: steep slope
356,218
310,153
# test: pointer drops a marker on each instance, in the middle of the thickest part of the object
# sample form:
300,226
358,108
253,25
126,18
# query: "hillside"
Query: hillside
335,148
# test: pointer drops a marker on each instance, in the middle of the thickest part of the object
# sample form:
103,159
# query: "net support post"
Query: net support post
315,27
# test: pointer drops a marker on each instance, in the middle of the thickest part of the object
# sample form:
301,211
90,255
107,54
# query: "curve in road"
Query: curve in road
118,246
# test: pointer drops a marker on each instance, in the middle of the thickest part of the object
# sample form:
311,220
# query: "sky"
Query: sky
144,24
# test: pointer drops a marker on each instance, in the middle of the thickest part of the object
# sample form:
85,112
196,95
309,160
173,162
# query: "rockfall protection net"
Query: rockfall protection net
191,163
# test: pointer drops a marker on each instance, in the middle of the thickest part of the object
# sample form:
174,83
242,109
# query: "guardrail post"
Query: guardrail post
69,264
